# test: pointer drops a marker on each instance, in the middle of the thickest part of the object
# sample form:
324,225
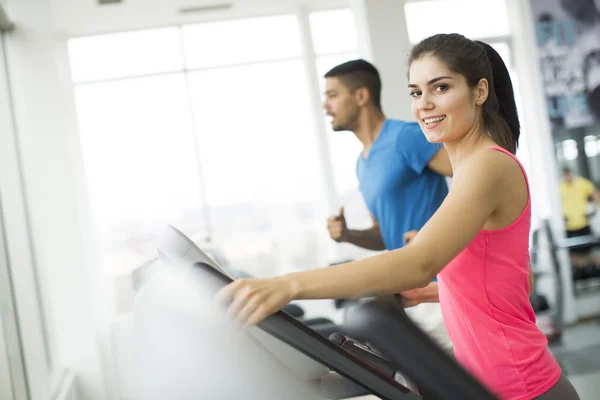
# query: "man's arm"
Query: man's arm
592,192
440,163
596,197
370,239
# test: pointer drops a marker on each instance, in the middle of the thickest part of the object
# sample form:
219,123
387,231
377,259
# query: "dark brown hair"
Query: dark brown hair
356,74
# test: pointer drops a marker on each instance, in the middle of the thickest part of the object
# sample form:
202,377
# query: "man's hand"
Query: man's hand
427,294
336,225
410,235
411,298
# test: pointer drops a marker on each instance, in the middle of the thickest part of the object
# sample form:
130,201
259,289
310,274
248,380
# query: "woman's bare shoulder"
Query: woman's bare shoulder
493,172
486,161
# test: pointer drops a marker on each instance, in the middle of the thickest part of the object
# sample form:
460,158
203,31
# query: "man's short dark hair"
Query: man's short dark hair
566,170
359,73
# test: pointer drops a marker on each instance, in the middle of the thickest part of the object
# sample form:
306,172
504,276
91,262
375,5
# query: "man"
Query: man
576,193
401,177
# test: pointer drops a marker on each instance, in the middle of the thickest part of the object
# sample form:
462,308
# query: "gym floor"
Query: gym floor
579,356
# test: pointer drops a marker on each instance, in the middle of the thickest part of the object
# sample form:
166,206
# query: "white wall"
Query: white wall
48,144
18,297
12,367
6,390
383,40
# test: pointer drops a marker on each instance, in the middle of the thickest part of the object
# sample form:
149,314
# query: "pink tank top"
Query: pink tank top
484,296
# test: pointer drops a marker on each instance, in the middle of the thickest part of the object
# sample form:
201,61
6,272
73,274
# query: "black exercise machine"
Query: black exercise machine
407,351
401,362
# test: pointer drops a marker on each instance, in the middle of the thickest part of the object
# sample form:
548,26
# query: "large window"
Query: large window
242,41
429,17
336,43
257,145
208,127
141,169
125,55
257,148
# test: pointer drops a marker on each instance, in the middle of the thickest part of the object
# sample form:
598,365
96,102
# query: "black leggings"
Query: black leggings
584,250
562,390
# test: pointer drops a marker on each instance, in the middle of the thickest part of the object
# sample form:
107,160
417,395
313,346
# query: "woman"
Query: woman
477,241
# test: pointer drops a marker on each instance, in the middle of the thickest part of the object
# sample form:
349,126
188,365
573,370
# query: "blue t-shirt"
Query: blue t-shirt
399,189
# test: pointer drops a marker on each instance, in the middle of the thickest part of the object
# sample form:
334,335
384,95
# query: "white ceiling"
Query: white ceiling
86,17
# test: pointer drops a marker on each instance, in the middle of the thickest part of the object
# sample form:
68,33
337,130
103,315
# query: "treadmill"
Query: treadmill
354,368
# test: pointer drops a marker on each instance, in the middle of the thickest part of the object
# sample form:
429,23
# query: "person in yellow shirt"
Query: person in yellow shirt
576,193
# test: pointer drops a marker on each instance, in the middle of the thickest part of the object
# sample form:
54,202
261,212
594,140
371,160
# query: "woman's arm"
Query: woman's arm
476,193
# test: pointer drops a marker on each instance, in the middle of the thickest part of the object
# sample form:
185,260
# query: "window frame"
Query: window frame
27,327
308,57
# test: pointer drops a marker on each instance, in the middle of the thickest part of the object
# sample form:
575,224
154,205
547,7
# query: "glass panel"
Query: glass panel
567,55
241,41
141,170
333,31
591,147
592,152
125,54
262,176
569,150
426,18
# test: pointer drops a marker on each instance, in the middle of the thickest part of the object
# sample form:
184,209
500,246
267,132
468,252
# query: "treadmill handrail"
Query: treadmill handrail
579,241
310,343
417,356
